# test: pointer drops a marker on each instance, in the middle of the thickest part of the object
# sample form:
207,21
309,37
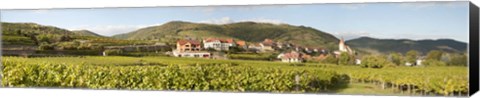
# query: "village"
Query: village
286,52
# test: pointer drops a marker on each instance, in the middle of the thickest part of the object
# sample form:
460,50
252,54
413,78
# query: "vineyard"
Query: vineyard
193,74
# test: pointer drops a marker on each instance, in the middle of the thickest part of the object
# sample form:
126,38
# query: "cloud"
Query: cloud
227,20
352,6
420,36
263,20
224,20
351,35
109,30
211,9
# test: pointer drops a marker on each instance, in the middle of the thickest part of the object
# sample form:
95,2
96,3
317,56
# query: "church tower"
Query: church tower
341,46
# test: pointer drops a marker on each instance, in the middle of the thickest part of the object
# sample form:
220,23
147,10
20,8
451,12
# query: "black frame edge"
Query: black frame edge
473,49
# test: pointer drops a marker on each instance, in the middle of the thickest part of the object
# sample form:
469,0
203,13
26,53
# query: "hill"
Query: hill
248,31
373,45
32,34
28,33
86,33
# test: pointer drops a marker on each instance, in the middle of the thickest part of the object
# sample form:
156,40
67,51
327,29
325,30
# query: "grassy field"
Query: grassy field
386,81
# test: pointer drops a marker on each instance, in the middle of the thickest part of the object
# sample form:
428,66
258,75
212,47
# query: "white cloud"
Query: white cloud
351,35
420,36
224,20
227,20
263,20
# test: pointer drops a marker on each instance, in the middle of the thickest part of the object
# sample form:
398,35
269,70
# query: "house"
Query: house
268,42
260,47
358,61
230,43
241,44
417,62
218,44
255,47
308,50
190,48
188,45
408,64
266,47
291,57
279,45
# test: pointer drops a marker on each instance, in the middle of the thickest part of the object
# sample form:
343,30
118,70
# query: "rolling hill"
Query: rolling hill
86,33
33,34
373,45
248,31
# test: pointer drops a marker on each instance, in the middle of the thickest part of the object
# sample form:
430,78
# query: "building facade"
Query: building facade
218,44
190,48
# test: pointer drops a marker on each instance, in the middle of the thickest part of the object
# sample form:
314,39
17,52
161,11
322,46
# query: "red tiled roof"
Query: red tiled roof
291,55
183,42
268,42
229,40
241,43
217,39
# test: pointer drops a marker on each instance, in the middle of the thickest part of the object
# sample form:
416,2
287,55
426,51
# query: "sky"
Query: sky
420,20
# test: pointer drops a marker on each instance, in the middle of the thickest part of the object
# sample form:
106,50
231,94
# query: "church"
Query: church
343,48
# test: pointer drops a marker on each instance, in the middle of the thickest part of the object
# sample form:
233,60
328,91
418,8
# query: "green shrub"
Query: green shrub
330,59
373,61
431,62
113,52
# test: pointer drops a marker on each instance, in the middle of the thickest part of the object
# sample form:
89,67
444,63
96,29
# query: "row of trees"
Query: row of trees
432,58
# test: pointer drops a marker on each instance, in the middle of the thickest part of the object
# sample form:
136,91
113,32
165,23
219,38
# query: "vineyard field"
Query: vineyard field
196,74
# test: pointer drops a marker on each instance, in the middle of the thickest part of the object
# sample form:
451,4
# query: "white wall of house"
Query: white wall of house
358,61
419,62
192,54
290,60
213,44
217,45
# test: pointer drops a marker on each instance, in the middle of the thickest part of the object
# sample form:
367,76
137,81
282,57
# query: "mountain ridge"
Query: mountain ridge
403,45
248,31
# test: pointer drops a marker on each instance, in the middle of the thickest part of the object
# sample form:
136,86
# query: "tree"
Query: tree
411,56
330,59
345,59
434,55
396,58
113,52
432,62
434,58
458,60
45,46
375,61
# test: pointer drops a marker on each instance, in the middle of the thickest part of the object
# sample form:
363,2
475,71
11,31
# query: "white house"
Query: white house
358,61
190,48
197,54
418,62
291,57
218,44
